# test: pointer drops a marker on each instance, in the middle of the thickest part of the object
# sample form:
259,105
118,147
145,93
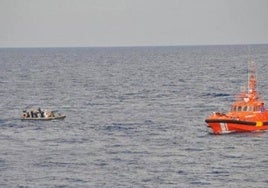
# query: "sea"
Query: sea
134,117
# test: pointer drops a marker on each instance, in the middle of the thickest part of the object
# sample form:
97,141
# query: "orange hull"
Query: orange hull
247,113
234,126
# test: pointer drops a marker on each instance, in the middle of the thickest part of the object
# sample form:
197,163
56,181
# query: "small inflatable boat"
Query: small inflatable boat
41,115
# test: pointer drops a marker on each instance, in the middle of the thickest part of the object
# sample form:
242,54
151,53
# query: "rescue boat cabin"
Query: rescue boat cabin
257,106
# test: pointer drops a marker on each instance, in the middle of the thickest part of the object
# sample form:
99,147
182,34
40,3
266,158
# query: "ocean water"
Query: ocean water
135,117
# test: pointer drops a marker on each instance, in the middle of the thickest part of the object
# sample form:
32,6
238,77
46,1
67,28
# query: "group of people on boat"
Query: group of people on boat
37,113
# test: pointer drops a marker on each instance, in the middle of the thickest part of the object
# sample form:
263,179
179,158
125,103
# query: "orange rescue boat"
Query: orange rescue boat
247,113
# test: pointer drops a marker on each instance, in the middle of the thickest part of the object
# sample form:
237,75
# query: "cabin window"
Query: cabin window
239,108
233,108
257,108
245,108
250,108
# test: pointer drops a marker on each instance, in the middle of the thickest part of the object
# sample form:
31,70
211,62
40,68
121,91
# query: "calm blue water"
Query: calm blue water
135,117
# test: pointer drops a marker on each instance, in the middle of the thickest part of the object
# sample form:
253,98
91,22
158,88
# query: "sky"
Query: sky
90,23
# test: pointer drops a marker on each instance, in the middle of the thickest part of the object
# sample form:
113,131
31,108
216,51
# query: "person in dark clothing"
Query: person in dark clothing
41,112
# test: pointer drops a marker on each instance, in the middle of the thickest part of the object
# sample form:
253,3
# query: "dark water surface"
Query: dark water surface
135,117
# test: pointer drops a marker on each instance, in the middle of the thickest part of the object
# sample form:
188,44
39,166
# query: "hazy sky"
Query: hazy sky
44,23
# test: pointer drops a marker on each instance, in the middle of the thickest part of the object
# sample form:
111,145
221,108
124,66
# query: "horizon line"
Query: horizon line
134,46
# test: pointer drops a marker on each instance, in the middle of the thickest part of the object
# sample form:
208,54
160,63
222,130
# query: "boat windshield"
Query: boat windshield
257,108
245,108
